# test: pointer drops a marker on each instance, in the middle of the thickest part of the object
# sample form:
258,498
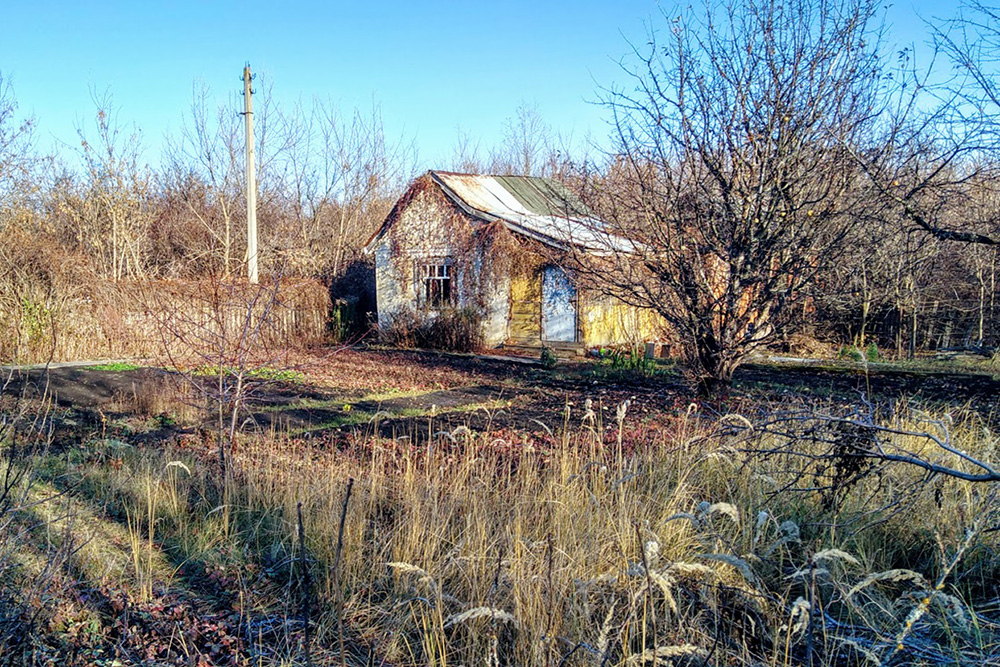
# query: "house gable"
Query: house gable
539,209
429,255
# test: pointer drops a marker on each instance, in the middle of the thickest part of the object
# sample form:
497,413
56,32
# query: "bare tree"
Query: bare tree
16,149
27,270
466,153
205,173
731,180
344,174
942,133
526,144
981,262
112,212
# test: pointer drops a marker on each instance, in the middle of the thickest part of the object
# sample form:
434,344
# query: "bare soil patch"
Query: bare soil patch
347,391
938,389
89,388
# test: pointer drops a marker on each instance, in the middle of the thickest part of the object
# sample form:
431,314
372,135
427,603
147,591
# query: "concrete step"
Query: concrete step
562,350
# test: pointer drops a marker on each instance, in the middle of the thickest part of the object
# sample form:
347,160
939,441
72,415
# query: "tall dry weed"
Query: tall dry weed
477,550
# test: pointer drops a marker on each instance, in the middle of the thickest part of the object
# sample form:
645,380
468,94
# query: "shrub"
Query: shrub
626,360
342,317
399,330
458,330
854,353
850,353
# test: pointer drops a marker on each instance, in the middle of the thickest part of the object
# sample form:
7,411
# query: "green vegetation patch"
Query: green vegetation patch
117,366
620,363
262,373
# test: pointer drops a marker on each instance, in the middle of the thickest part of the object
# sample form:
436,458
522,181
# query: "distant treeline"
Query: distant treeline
74,230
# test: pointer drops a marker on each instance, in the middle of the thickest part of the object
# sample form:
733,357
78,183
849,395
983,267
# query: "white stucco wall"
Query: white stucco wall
390,284
496,315
422,232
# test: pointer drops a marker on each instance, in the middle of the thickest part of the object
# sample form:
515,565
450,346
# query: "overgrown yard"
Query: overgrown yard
407,508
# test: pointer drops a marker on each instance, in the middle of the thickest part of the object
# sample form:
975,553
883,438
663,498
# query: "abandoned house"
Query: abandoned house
490,245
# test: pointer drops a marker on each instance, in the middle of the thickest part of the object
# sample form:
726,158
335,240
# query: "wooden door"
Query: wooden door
558,306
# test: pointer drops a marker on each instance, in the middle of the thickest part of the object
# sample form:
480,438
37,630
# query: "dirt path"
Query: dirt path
76,385
348,414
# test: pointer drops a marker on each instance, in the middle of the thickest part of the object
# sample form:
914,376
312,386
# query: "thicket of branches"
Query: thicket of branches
326,179
778,166
776,162
74,224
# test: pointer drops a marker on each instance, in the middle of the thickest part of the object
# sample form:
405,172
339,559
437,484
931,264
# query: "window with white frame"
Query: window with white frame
434,282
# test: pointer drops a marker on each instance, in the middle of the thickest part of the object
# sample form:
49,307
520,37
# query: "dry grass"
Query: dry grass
479,550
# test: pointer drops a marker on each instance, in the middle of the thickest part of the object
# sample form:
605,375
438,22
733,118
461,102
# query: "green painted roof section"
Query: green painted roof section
544,196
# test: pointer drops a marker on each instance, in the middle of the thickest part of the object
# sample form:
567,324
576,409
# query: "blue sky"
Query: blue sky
432,66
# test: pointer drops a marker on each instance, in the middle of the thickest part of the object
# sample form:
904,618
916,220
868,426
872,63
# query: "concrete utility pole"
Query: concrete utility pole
251,179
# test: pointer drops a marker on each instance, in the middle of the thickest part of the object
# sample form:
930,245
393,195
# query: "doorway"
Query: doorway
558,306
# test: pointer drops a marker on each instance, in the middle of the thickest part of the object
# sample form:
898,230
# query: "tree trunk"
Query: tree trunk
866,304
715,365
900,323
982,309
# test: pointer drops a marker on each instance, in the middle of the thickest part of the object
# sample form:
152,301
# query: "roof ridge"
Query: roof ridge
445,172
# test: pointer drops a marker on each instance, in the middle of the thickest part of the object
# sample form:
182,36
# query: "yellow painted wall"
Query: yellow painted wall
607,321
601,320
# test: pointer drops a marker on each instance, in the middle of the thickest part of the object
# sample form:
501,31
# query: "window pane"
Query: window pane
435,292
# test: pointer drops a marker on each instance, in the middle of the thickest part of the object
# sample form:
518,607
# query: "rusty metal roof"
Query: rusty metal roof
541,208
544,196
